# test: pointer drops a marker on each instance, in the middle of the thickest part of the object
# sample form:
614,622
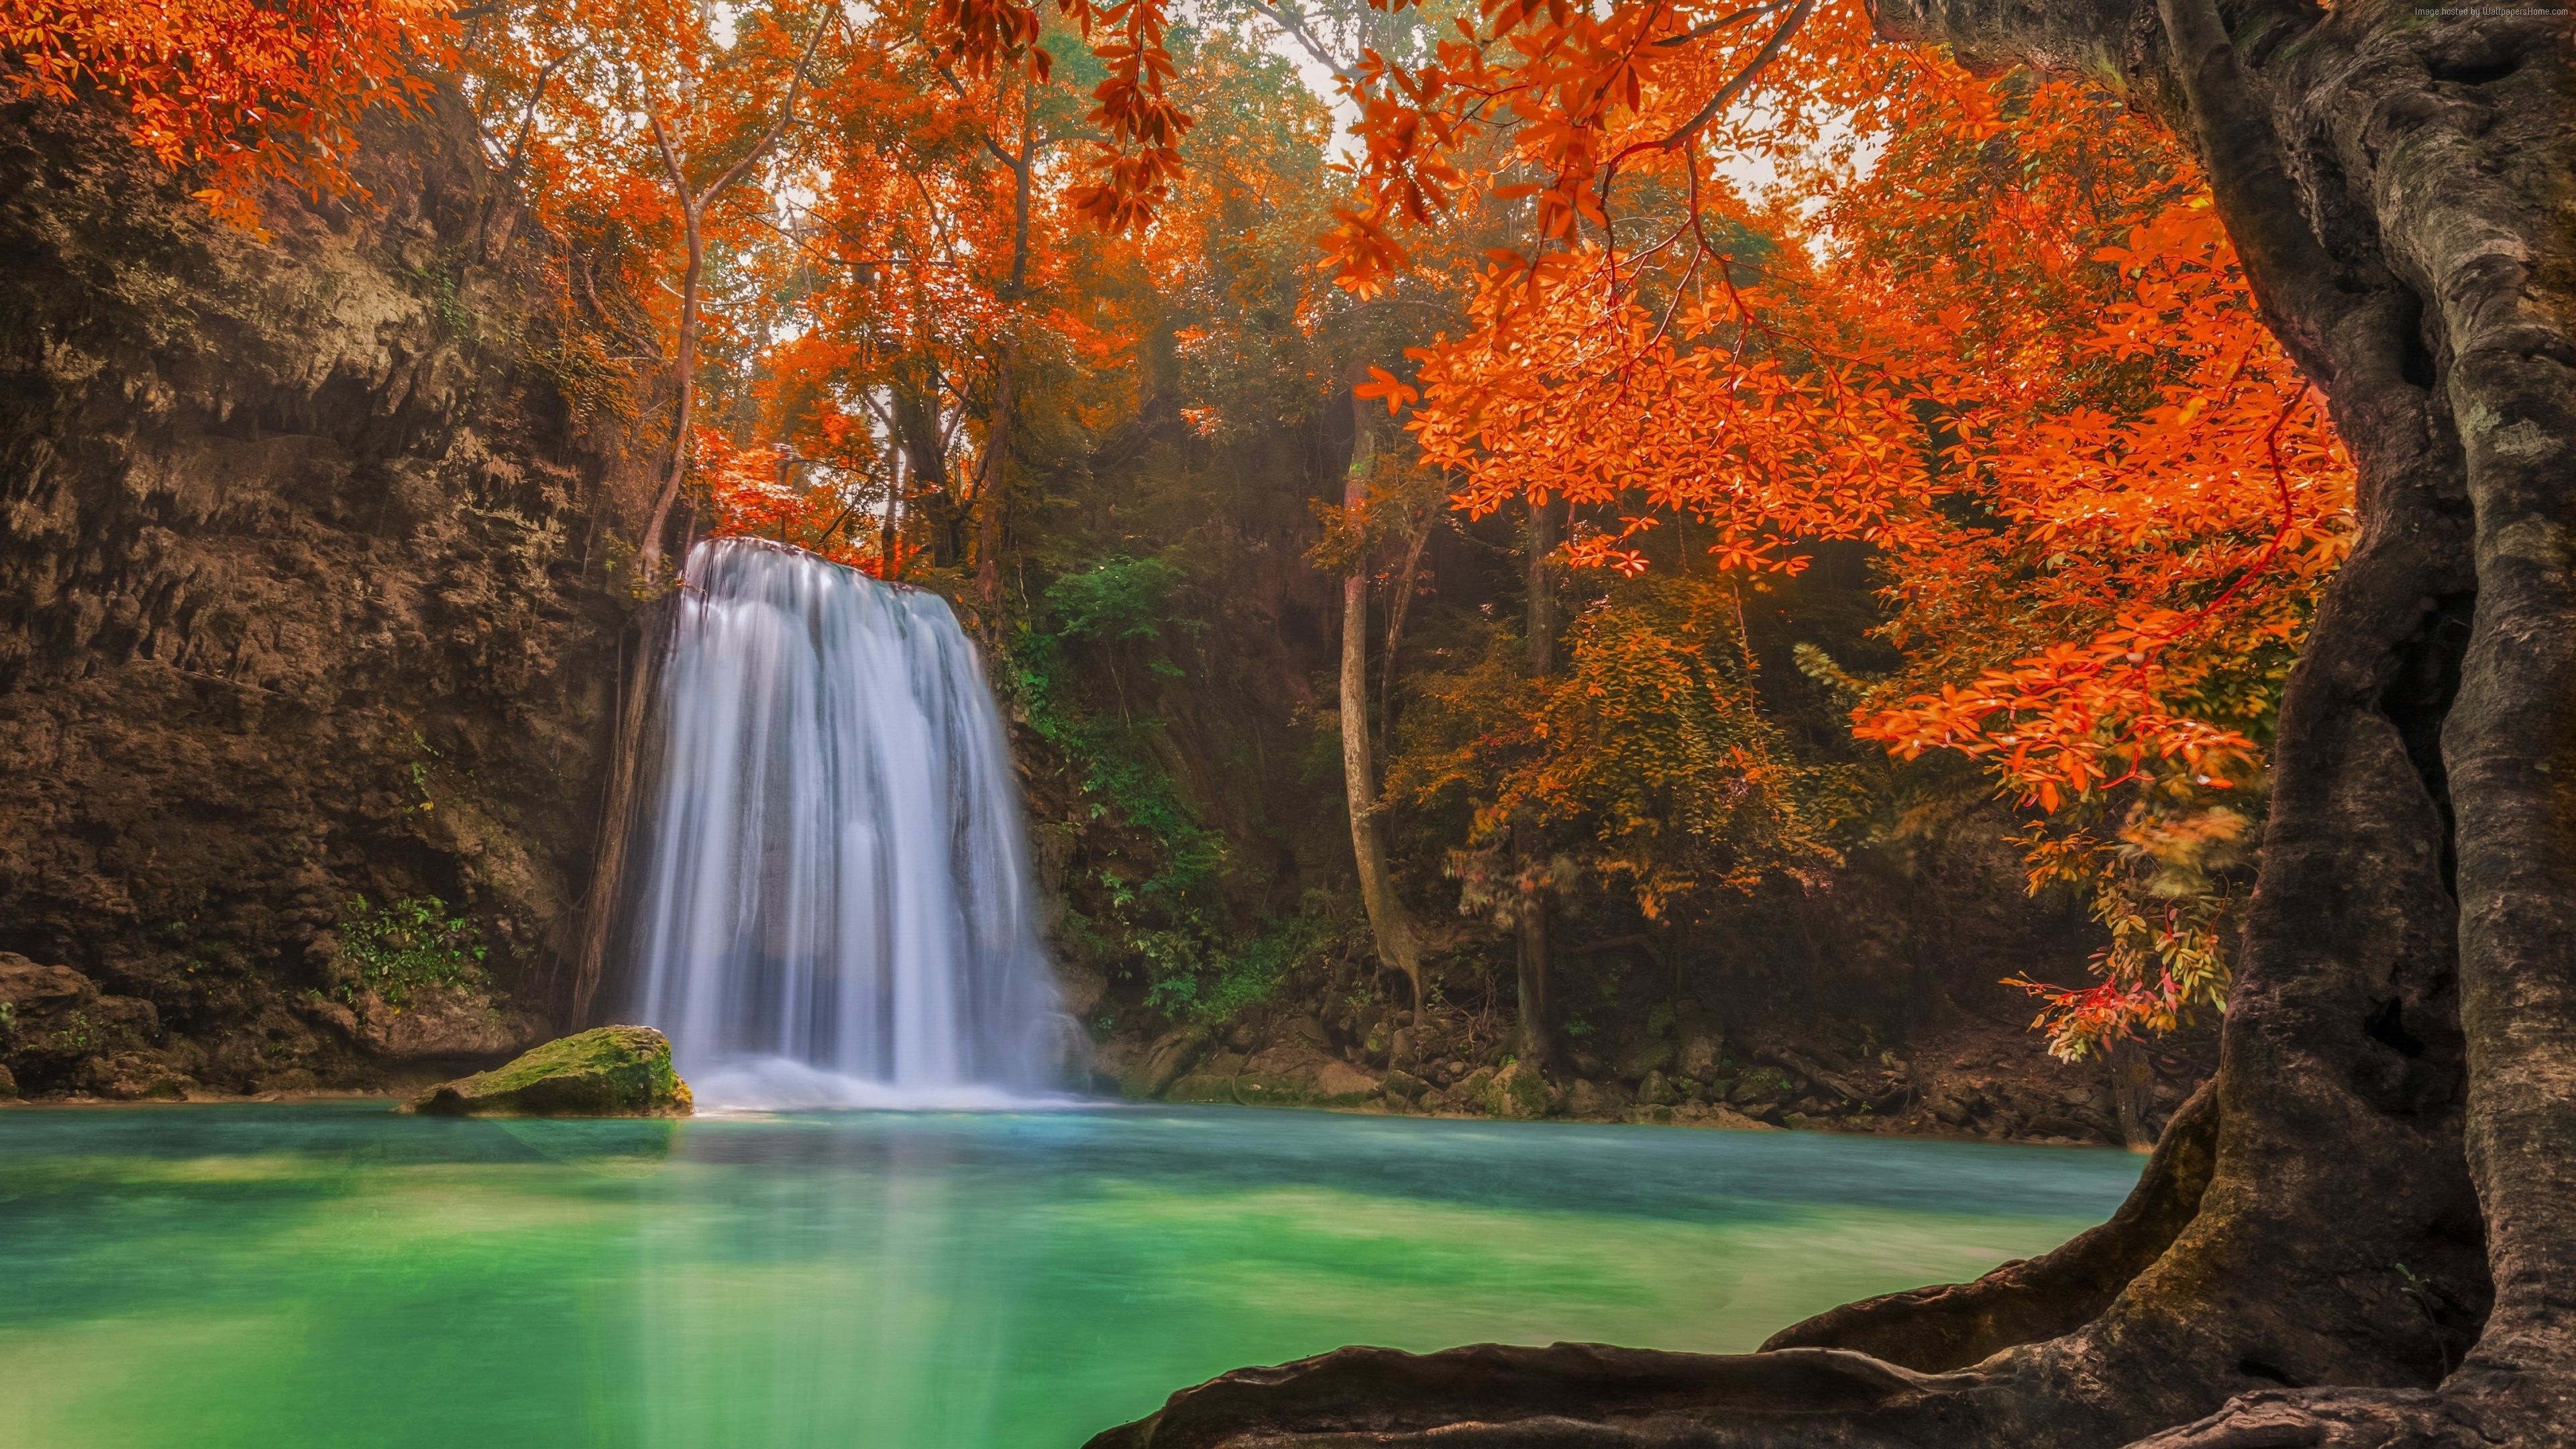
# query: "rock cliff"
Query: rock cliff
308,632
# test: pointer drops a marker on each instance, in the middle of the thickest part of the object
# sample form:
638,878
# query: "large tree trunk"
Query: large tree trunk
1388,921
2378,1246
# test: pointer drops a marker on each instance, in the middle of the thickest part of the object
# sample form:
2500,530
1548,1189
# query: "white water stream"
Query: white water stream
832,903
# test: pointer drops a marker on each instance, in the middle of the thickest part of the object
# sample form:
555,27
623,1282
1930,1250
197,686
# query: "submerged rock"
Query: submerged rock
614,1071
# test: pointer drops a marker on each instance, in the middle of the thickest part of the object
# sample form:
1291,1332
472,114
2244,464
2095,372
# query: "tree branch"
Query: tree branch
1295,26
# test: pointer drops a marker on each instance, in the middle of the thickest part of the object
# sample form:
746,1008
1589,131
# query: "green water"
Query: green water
284,1277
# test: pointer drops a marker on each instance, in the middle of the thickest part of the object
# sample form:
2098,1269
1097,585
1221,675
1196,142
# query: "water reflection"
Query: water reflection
291,1277
843,1294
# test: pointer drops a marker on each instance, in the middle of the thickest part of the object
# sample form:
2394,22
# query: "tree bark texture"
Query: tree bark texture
1388,921
2133,1082
684,380
2364,1234
1529,841
988,495
640,665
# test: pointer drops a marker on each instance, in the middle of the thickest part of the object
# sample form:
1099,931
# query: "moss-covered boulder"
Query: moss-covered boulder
615,1071
1517,1091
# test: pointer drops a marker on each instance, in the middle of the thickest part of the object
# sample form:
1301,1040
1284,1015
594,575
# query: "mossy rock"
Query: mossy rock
614,1071
1518,1092
1201,1087
1268,1090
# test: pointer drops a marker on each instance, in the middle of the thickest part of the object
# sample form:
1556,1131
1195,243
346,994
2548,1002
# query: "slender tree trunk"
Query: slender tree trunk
997,437
1399,602
1388,921
2362,1234
988,494
693,212
1529,841
2133,1092
890,533
684,377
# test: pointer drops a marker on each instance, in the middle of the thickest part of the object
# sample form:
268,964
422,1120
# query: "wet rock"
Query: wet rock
1298,1075
1518,1092
1762,1084
59,1032
1701,1048
2057,1125
1796,1121
1656,1091
1642,1058
1725,1118
316,598
1079,989
1202,1087
614,1071
1399,1047
1597,1101
447,1021
1165,1062
1470,1089
8,1086
1113,1061
1405,1085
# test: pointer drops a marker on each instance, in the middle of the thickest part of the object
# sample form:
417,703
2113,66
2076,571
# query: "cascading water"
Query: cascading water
831,906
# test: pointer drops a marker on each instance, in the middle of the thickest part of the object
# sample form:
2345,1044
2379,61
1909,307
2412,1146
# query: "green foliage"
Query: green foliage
409,945
1766,1082
1188,977
1119,612
1122,602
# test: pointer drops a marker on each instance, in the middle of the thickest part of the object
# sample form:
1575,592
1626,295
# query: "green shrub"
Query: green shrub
409,945
1188,978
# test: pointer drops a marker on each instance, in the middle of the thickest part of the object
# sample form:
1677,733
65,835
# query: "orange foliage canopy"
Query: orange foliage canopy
1140,159
1988,327
1776,284
261,92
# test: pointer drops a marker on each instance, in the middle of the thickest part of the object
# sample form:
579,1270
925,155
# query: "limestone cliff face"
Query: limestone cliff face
305,601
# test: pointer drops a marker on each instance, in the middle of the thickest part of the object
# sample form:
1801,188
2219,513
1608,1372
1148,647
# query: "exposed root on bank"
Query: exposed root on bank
1954,1325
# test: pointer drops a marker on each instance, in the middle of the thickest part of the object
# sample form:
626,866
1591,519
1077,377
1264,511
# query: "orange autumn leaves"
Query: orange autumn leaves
260,93
270,92
1139,158
1987,327
1765,282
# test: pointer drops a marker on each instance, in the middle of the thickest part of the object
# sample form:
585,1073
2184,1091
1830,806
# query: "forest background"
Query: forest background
1747,612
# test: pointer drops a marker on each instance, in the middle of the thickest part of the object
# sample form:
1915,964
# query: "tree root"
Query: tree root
2343,1419
1500,1396
1953,1325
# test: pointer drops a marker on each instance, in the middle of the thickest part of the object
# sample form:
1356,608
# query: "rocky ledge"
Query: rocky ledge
613,1071
1968,1078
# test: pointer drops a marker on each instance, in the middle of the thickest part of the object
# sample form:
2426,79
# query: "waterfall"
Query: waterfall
831,902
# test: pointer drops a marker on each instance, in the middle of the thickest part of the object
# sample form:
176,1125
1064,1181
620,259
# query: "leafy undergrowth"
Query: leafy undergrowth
404,947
